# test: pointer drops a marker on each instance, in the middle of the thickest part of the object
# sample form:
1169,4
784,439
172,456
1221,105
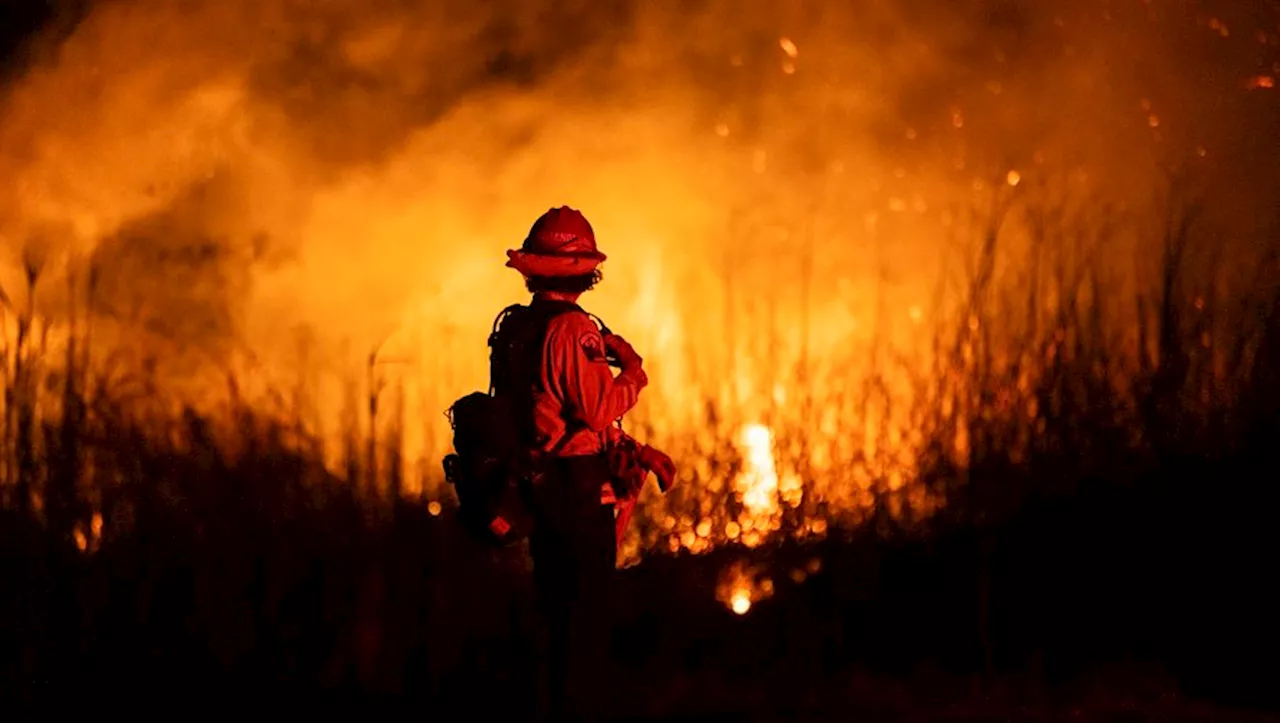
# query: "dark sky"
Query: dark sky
17,19
20,19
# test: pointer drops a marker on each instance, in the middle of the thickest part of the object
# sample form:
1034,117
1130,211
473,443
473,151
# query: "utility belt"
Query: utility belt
574,479
579,469
616,467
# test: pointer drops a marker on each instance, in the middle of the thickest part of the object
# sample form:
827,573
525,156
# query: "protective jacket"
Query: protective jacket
577,398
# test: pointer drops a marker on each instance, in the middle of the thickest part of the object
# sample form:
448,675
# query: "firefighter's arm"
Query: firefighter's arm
577,366
651,459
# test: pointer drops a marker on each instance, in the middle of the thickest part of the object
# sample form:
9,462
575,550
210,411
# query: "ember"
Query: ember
742,585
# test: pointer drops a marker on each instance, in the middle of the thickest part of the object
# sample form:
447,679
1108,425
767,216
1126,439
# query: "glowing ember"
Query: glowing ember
1014,178
1261,81
433,508
741,586
788,47
88,541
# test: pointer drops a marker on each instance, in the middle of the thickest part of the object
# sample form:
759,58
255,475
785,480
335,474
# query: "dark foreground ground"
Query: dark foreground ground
1137,609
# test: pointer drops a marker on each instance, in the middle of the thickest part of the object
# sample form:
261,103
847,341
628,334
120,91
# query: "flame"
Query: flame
741,586
758,484
88,541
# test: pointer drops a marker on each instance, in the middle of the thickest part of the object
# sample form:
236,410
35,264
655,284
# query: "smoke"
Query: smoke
294,185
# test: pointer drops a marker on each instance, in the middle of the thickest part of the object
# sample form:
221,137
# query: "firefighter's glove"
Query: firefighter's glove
657,462
619,349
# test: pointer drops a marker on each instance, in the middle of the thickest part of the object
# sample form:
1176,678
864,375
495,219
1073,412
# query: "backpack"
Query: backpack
495,440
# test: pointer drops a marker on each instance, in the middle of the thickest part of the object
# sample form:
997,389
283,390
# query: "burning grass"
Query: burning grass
1047,357
944,382
1052,449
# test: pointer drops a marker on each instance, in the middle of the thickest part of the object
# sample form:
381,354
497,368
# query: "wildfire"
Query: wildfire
768,236
88,541
741,586
757,484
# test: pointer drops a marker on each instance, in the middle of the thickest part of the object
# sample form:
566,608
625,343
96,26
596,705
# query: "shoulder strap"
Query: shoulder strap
497,321
600,322
520,325
515,348
494,356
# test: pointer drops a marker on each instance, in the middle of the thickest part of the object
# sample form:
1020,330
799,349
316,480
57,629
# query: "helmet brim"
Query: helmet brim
531,264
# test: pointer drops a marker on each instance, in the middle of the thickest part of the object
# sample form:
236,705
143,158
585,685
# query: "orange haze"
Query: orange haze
276,189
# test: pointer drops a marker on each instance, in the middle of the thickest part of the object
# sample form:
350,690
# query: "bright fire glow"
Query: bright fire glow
758,483
741,586
315,198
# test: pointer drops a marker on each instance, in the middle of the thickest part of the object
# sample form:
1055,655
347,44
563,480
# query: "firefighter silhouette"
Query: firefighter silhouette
557,366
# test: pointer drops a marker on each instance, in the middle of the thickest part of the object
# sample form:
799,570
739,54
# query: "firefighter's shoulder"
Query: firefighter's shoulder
576,327
573,321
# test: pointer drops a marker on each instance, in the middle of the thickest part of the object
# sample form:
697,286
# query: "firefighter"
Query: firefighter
574,402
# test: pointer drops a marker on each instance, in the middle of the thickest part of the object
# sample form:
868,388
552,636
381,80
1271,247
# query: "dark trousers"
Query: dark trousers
574,555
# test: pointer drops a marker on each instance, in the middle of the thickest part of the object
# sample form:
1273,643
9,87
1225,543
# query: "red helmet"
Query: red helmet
561,243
